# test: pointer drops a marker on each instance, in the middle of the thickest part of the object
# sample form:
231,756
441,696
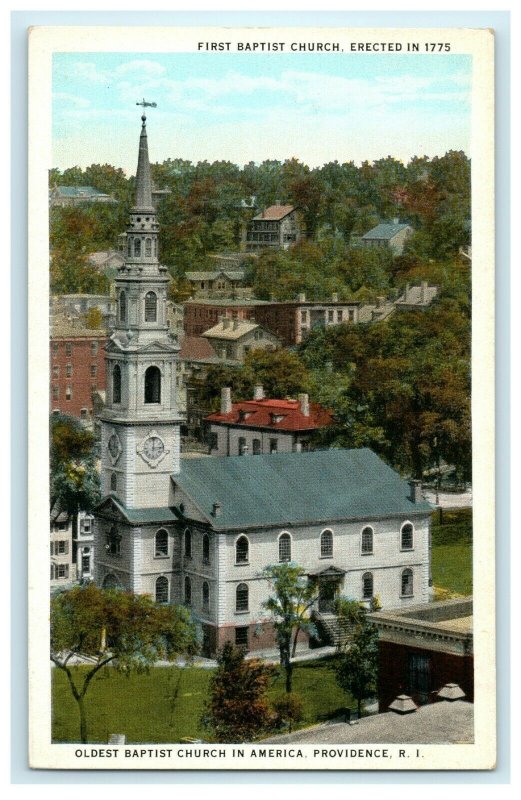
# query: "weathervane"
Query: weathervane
145,104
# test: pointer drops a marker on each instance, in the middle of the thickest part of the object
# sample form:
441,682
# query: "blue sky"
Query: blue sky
246,107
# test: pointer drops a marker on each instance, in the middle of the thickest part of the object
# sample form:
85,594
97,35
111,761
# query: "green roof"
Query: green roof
292,488
386,230
141,516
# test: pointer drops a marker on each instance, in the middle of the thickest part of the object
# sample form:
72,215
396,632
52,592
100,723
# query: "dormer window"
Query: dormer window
275,418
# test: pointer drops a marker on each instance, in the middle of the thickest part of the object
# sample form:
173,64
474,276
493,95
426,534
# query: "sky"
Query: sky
243,107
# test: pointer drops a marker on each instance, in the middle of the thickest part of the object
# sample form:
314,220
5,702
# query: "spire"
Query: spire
143,177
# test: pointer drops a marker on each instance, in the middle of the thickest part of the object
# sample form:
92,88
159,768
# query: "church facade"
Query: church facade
201,531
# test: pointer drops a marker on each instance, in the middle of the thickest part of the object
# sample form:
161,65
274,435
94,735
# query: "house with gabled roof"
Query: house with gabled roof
278,227
392,235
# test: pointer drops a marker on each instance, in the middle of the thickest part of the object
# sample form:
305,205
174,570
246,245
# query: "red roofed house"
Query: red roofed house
259,426
277,227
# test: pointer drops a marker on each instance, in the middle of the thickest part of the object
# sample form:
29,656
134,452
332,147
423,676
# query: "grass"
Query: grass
452,553
165,705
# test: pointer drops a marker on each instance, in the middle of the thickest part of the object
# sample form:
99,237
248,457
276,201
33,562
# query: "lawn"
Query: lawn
452,552
166,704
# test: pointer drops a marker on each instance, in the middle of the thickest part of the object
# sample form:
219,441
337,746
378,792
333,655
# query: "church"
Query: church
200,531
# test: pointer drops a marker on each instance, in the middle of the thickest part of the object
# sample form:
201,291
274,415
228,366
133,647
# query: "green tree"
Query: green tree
74,479
238,709
130,632
289,606
357,664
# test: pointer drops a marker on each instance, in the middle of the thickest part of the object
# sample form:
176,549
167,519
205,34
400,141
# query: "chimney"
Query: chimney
403,704
226,323
304,404
423,294
396,220
258,392
451,692
416,495
334,297
226,400
301,297
216,509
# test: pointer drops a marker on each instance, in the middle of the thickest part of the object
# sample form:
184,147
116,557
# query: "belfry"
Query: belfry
140,433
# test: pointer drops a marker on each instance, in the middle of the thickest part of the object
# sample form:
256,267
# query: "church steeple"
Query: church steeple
143,177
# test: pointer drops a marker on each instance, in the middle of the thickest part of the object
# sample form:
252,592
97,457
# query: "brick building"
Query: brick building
77,367
202,314
423,648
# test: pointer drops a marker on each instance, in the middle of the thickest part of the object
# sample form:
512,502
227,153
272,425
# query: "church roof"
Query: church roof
143,200
293,488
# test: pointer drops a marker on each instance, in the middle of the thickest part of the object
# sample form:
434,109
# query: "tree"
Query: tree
238,709
74,478
289,606
357,666
130,632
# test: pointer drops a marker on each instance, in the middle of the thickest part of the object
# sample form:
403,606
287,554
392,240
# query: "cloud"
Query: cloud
69,99
140,67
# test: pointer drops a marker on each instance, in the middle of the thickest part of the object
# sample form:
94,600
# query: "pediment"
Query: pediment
162,346
110,509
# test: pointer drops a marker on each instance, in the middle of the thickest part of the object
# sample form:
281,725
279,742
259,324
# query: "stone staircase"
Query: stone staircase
331,631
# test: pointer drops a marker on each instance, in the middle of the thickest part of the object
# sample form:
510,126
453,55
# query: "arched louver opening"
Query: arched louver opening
116,384
137,248
148,247
153,385
122,307
150,307
162,590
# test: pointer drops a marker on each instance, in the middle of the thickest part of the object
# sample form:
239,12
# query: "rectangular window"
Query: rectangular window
241,637
68,348
339,315
93,370
61,526
68,393
330,316
68,370
351,315
93,388
273,445
86,525
62,570
62,547
84,413
55,393
56,372
94,348
55,348
85,565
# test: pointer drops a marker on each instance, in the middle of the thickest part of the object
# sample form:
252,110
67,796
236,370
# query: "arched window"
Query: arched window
326,544
137,247
122,307
161,543
162,589
188,591
148,247
188,543
242,446
155,247
241,597
206,596
113,482
407,585
153,385
367,541
242,550
284,547
116,384
406,537
206,548
150,307
367,585
129,247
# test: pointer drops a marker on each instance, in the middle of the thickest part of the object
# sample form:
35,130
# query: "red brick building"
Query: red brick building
423,648
201,315
77,367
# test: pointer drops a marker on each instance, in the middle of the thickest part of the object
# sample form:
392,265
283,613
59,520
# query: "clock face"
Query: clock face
113,446
153,447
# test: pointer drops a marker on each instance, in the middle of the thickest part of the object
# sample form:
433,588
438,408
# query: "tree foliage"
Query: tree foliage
238,709
130,632
357,664
289,606
74,478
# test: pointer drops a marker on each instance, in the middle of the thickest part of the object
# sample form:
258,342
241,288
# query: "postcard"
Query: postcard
261,309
